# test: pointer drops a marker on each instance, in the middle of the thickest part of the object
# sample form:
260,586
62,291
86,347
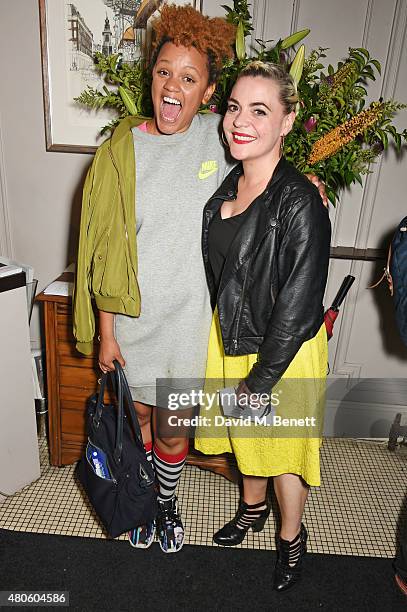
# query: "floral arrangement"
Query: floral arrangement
335,135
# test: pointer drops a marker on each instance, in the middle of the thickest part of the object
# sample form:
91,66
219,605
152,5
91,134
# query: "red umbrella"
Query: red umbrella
332,312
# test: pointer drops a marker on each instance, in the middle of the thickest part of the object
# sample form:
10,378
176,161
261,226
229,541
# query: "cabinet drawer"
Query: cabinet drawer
73,422
64,308
77,397
73,404
78,377
68,349
71,451
64,329
64,319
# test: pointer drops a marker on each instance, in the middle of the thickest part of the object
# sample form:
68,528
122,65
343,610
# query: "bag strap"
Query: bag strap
386,275
130,407
99,404
117,384
123,395
120,416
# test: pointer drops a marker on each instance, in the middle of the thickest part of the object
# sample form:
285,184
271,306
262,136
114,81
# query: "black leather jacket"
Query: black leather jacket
272,285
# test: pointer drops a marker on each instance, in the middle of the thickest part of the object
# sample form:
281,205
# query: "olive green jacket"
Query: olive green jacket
107,256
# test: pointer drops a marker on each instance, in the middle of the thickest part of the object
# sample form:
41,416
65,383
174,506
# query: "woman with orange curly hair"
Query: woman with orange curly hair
140,236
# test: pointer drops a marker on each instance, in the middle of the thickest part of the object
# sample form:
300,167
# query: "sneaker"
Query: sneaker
143,536
170,530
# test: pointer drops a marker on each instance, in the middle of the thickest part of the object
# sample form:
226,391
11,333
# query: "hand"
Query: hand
243,394
109,351
320,185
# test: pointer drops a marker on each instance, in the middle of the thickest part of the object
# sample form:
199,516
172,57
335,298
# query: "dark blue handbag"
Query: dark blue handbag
395,273
114,471
398,272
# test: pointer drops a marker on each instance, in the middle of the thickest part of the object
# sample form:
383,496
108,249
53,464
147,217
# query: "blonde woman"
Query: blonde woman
266,236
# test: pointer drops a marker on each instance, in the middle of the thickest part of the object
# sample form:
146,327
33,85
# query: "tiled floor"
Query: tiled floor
353,513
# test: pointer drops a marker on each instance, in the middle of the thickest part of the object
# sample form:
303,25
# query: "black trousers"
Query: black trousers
400,562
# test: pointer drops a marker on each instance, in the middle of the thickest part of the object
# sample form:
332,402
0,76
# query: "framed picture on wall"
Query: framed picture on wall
72,31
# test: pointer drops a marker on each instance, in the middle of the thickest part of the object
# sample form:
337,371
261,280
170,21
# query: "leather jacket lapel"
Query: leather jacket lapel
254,227
258,222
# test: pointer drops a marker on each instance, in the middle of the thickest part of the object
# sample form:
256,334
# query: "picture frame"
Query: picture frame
71,31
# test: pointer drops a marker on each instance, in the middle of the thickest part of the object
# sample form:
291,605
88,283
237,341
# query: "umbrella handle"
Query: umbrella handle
343,290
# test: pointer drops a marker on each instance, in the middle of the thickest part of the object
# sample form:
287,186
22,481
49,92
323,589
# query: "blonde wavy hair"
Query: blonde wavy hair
287,90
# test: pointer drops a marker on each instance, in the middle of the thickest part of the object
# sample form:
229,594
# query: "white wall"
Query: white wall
40,190
366,342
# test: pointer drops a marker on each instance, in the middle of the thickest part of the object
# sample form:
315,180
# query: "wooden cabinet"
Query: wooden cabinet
72,378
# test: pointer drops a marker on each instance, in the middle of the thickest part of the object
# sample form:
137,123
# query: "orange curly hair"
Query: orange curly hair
183,25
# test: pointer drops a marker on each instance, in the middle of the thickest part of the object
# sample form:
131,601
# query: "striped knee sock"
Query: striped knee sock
148,447
168,469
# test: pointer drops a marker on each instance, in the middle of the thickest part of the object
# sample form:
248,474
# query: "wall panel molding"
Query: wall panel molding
259,21
6,248
368,18
397,42
294,16
390,73
342,365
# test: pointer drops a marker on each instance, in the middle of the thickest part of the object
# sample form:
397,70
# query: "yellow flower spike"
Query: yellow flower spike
343,134
240,42
128,100
344,73
298,65
294,39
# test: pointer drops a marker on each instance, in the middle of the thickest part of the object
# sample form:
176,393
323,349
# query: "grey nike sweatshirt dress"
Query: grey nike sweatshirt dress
175,176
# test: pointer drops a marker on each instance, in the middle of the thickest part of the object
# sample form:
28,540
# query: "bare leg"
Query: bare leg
291,493
144,413
170,440
251,514
254,489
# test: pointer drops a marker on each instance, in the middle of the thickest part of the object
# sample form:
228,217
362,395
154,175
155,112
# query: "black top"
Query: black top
221,235
270,296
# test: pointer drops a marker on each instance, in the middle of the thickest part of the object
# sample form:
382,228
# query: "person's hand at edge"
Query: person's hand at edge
320,185
242,392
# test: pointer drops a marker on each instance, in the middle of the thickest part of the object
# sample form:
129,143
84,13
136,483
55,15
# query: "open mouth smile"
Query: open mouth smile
170,109
240,138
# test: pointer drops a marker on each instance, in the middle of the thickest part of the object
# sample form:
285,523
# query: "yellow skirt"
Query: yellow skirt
265,455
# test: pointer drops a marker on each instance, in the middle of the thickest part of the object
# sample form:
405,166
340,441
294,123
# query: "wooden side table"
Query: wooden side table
72,378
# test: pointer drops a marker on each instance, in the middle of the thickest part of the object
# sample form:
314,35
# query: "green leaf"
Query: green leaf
349,177
294,39
240,42
360,90
364,52
358,178
377,65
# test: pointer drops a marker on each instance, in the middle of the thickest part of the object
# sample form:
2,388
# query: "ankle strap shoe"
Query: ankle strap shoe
286,575
247,517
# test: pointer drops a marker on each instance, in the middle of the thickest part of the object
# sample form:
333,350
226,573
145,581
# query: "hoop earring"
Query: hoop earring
282,145
223,139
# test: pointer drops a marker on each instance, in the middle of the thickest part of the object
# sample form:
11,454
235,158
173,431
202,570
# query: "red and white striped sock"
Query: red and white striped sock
168,469
148,447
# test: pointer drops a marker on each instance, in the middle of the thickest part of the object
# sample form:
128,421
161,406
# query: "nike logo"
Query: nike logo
207,169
